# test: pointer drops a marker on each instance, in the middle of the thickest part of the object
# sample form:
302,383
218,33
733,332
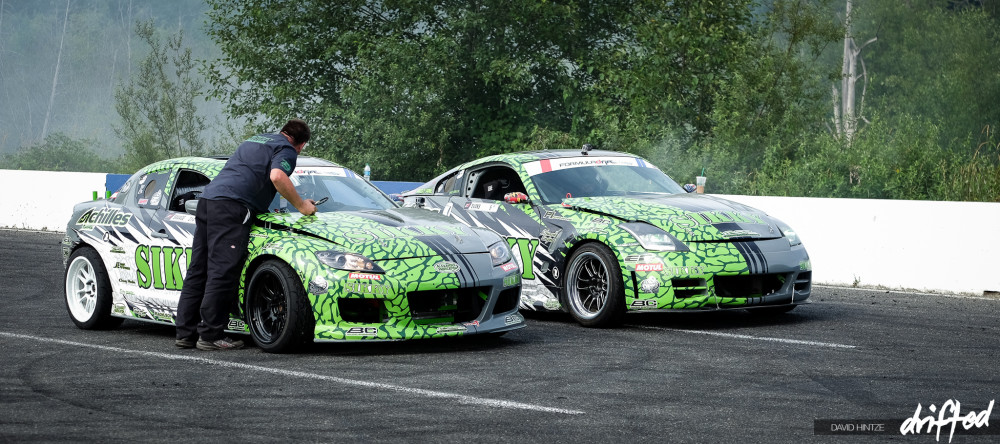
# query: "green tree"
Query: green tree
414,86
158,105
58,152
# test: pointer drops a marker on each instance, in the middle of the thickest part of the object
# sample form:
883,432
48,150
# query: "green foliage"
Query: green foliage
58,152
158,110
414,86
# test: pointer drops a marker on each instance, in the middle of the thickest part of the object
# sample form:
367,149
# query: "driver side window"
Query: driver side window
495,182
190,185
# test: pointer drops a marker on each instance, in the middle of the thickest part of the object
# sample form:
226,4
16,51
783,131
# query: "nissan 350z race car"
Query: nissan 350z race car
600,233
360,269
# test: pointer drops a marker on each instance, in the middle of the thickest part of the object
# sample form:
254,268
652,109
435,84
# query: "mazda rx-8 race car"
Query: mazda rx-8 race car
599,233
361,268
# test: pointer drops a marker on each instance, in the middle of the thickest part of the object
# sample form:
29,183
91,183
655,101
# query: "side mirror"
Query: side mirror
191,207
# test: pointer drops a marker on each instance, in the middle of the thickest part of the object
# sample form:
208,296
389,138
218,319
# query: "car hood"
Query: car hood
387,234
688,217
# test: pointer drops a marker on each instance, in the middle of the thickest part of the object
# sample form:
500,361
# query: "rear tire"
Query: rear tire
594,290
278,310
88,291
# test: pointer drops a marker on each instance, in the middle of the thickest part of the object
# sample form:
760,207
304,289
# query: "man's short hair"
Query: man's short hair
298,130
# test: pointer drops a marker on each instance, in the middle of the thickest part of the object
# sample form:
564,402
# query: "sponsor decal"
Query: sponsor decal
805,266
452,329
155,200
473,323
121,266
555,272
236,325
117,249
447,267
648,267
161,315
739,233
318,285
512,319
642,258
508,266
361,331
183,218
480,206
547,236
546,165
258,139
526,249
683,271
118,309
368,276
260,235
161,267
690,220
550,214
143,201
105,216
511,280
642,303
649,285
386,232
363,288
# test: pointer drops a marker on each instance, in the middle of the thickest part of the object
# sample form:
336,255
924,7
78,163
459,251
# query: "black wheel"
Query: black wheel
594,290
772,311
278,309
88,291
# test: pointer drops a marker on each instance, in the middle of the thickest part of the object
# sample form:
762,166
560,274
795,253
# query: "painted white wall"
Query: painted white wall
950,247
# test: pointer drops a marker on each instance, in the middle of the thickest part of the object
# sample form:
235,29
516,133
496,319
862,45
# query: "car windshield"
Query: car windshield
601,180
345,190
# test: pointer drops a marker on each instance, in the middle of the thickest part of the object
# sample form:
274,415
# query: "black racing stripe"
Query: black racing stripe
447,251
754,257
439,244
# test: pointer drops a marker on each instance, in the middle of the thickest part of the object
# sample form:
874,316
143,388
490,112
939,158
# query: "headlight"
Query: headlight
793,238
500,253
653,238
347,261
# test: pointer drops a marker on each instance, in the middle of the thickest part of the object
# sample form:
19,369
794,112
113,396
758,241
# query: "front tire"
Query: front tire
595,293
88,291
277,308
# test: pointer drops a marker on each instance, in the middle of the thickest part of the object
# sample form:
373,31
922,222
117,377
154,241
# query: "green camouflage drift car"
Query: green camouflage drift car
599,233
360,269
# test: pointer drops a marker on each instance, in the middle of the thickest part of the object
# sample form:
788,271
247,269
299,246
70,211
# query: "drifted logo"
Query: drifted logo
105,216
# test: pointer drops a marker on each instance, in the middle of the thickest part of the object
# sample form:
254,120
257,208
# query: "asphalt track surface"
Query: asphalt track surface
867,356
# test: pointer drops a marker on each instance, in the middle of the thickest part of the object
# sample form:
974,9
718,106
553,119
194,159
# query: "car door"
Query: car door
476,198
162,247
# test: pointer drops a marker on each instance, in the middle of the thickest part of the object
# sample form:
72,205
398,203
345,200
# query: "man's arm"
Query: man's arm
284,186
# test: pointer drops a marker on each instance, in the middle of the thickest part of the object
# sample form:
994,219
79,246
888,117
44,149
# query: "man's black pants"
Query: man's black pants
222,231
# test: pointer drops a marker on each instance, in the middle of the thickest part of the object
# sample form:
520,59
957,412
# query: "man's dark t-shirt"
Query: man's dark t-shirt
246,178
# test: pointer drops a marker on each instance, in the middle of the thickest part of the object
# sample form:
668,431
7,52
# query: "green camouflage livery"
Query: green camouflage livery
432,277
715,254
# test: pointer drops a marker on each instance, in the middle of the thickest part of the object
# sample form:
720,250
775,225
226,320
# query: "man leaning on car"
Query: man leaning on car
246,185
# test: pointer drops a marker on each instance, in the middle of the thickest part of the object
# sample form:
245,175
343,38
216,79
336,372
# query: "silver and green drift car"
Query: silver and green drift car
600,233
360,269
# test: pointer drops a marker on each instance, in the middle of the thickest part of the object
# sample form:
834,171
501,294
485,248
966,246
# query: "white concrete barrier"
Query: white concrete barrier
43,200
944,247
896,244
